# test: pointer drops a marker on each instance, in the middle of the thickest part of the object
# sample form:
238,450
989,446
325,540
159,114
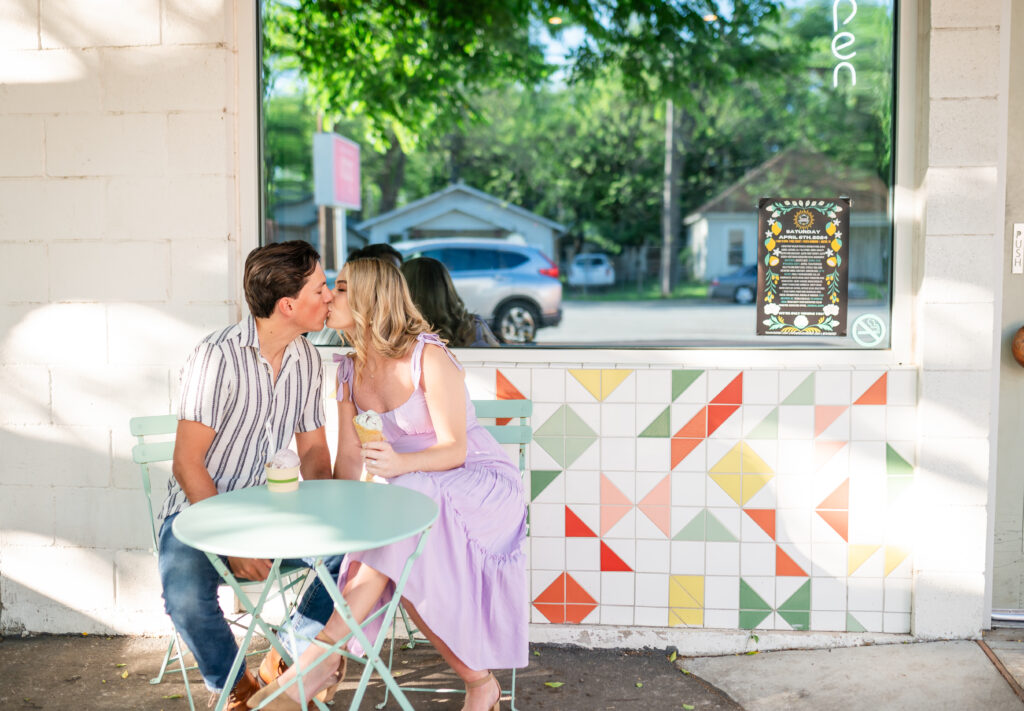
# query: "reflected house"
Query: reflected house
723,231
461,211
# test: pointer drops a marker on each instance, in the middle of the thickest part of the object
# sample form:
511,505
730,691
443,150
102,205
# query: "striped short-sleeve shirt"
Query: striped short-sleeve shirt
227,385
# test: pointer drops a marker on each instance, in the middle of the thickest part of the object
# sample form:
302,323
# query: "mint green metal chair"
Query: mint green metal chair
155,435
521,435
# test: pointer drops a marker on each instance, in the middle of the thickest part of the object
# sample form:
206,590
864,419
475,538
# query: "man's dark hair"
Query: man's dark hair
378,250
275,272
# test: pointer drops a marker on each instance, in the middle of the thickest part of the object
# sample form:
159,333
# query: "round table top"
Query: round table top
321,518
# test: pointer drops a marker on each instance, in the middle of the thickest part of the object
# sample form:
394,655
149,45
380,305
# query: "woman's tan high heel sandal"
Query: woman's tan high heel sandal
484,680
284,702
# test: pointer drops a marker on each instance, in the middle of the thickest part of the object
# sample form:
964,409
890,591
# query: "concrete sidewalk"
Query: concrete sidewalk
90,673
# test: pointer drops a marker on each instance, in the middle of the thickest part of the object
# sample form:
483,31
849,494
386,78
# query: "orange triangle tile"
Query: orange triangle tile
661,516
717,414
575,594
838,499
784,565
875,395
731,393
555,614
660,495
611,515
574,526
681,448
610,562
577,613
505,390
838,520
555,592
824,450
825,415
696,427
611,495
765,518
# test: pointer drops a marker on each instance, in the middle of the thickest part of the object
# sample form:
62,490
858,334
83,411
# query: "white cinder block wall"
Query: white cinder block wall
126,200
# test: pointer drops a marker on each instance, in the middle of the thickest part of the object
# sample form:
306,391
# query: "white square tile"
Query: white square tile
653,454
520,378
625,482
618,588
785,587
721,619
541,580
721,593
624,391
718,380
481,383
649,481
618,454
581,486
651,590
765,498
548,553
822,532
697,391
625,528
616,615
553,493
897,595
717,449
590,413
790,380
901,422
654,385
829,559
763,586
869,620
547,385
593,617
761,387
839,429
753,416
547,520
757,559
828,620
651,616
723,558
796,457
865,594
867,422
902,387
731,427
687,557
682,516
540,459
832,387
867,459
729,517
896,622
681,414
717,496
618,420
648,528
647,413
793,525
695,461
589,459
796,422
589,580
828,594
652,556
624,549
589,514
574,390
751,531
861,381
794,492
537,617
581,554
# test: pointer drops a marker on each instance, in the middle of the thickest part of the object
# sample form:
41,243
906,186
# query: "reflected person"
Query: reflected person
435,296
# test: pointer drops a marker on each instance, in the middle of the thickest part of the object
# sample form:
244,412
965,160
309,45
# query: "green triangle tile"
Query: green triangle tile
798,620
682,379
554,425
897,485
555,446
539,480
574,424
895,464
749,619
803,394
852,625
750,600
798,601
694,530
769,427
575,446
716,531
659,427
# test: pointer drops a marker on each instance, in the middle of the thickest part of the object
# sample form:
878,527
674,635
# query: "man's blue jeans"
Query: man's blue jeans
190,598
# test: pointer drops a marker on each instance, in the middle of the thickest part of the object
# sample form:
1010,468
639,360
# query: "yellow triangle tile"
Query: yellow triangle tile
858,554
752,463
731,484
590,379
690,618
686,591
753,483
894,555
611,379
731,463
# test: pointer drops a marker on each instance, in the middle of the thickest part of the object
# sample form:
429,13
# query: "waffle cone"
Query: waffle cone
367,435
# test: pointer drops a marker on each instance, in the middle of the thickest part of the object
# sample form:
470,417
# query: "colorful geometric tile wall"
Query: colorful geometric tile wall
755,499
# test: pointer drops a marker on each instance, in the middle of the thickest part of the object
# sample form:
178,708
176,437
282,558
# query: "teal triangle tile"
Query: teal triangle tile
896,465
539,480
575,446
716,530
797,619
852,625
799,600
555,446
574,424
554,425
749,619
750,600
694,530
803,394
682,379
768,427
659,427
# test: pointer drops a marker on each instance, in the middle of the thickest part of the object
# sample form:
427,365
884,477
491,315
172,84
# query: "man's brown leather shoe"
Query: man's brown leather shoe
271,667
244,688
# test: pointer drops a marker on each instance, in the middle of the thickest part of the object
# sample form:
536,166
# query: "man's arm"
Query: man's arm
314,456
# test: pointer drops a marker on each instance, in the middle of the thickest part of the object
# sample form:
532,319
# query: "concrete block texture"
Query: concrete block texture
958,269
137,582
950,538
92,270
200,143
53,334
24,395
161,335
108,395
195,207
952,471
27,212
19,24
203,271
24,273
52,455
55,81
85,517
197,22
964,63
962,201
957,336
955,404
948,605
963,132
99,23
23,145
28,515
966,13
168,79
104,144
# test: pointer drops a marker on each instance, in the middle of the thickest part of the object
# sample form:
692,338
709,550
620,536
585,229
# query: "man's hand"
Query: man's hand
249,568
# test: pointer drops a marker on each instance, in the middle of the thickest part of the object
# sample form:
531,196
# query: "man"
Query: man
245,392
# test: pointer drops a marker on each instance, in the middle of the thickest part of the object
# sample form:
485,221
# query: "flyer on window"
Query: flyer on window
802,262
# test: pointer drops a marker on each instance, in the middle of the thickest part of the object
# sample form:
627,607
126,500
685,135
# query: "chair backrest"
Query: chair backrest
520,434
147,452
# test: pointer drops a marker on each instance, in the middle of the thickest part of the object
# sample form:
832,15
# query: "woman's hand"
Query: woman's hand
381,460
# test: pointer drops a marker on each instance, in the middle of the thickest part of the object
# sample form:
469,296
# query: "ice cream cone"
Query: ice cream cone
366,434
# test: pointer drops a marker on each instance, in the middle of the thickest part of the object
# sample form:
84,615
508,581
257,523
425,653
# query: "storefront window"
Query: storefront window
596,177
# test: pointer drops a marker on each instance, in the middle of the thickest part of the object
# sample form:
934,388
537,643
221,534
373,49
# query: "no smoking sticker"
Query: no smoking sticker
868,330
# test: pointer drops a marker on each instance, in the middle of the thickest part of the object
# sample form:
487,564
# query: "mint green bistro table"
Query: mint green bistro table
323,518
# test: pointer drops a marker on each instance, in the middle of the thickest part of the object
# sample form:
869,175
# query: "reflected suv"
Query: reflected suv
513,287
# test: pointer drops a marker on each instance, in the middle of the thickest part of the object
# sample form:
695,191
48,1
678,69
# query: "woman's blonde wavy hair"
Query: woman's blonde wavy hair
386,319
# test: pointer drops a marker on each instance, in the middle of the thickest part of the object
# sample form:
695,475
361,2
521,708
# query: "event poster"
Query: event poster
802,262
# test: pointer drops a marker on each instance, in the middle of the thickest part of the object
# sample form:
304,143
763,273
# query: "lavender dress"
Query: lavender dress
469,584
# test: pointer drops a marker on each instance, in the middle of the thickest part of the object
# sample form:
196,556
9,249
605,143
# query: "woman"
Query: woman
468,591
435,296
